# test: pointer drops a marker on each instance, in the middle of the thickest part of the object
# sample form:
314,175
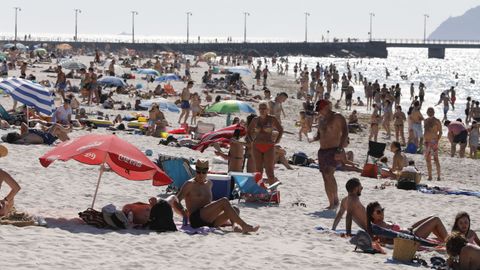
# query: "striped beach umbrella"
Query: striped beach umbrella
29,93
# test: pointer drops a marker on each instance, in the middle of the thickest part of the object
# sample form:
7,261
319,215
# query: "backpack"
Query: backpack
161,217
363,241
406,184
300,158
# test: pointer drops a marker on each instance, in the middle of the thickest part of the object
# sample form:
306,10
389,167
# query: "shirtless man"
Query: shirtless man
416,118
185,105
353,206
235,154
399,159
333,134
201,211
457,133
276,108
446,104
432,135
61,83
468,254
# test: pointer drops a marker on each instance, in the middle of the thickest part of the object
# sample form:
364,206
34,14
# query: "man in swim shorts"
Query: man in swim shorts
185,102
353,206
432,135
201,211
333,135
61,83
457,133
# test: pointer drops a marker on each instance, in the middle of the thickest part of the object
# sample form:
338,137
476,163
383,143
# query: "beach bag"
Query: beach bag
364,242
404,249
161,217
407,184
370,170
93,217
300,159
411,148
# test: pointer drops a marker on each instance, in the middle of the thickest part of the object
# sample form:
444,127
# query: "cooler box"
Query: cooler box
222,186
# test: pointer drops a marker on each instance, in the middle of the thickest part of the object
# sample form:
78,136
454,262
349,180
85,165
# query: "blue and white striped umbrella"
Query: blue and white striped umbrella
168,77
29,93
110,81
72,64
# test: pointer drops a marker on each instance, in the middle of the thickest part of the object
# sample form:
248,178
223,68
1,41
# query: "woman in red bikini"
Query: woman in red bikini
260,130
422,228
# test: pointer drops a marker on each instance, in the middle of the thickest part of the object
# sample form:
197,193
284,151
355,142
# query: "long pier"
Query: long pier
336,48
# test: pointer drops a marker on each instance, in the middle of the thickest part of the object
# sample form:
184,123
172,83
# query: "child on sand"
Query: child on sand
303,126
462,226
473,137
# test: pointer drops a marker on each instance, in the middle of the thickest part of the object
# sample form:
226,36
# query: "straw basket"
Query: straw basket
404,249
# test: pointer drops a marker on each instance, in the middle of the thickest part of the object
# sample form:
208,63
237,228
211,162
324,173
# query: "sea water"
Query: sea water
438,75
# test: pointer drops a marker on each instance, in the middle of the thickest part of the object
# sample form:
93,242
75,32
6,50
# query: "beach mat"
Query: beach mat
447,191
192,231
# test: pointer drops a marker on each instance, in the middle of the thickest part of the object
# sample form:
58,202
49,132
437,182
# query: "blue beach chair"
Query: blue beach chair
250,191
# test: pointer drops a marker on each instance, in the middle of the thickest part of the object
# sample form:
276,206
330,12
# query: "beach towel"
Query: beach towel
205,144
191,231
447,191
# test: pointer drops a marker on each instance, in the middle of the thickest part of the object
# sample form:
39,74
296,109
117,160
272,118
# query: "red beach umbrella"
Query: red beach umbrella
122,157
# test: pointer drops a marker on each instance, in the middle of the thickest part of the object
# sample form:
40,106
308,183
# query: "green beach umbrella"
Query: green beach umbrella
231,106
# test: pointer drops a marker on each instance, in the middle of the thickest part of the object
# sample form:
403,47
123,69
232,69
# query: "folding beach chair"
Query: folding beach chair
203,128
178,169
12,119
4,114
249,190
375,150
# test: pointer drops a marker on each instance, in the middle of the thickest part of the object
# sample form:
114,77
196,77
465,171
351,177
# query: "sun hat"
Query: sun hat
201,164
116,219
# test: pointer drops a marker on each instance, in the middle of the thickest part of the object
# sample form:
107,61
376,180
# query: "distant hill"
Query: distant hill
463,27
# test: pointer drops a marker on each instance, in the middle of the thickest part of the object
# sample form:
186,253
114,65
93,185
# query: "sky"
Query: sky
269,19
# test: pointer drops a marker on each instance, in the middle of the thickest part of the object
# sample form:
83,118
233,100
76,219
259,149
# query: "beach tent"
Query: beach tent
72,64
29,93
123,158
110,81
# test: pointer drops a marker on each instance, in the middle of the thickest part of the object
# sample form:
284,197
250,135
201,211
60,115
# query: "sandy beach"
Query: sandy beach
287,238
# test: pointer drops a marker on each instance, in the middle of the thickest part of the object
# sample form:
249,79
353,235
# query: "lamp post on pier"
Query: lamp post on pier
306,26
425,17
188,24
371,19
76,20
245,14
133,24
17,9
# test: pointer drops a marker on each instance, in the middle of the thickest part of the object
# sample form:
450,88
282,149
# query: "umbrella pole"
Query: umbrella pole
102,168
28,120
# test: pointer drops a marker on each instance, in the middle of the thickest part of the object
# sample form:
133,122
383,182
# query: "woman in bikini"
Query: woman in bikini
462,226
260,129
422,228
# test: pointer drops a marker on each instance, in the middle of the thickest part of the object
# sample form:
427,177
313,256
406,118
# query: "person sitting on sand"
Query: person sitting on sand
462,226
6,204
399,159
422,228
359,102
201,211
280,157
63,114
352,205
353,125
463,255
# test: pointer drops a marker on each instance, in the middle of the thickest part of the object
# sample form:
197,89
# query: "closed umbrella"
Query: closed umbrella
110,81
123,158
231,106
168,77
163,104
72,64
29,93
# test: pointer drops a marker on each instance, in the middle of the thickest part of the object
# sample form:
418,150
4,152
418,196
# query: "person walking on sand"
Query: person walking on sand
201,210
333,135
432,136
185,102
457,133
446,104
473,137
416,119
355,209
399,119
61,83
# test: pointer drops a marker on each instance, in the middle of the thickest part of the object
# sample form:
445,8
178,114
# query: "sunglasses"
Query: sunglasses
205,171
380,211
